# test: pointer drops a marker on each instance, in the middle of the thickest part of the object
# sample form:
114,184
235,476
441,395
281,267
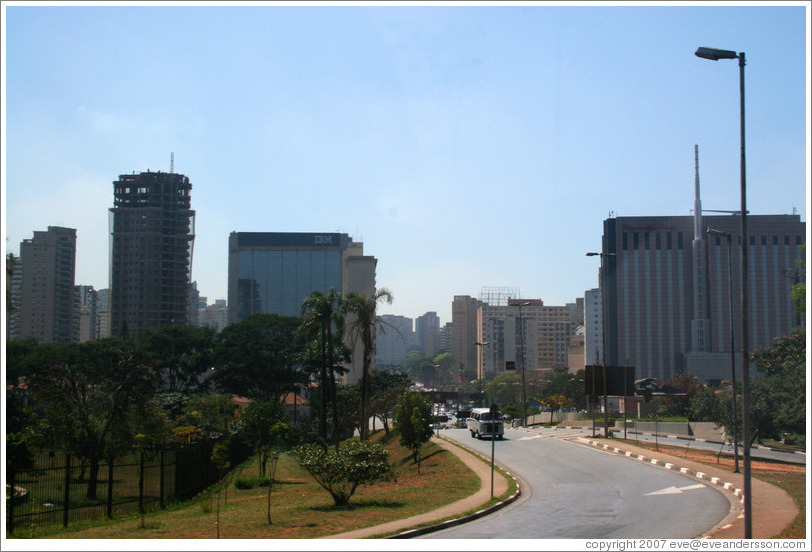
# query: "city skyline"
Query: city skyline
465,146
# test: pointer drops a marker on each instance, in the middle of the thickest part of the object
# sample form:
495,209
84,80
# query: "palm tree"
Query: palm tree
321,313
364,311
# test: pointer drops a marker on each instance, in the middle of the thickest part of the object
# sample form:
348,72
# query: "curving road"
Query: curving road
572,491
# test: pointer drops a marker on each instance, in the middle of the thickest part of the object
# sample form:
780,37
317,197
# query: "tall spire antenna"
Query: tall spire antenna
697,201
172,162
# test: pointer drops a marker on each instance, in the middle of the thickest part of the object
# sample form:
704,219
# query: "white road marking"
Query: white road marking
676,490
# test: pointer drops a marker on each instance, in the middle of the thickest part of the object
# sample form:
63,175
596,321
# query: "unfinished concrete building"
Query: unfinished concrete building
152,240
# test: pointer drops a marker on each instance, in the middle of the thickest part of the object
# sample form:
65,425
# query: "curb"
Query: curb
667,465
697,439
411,533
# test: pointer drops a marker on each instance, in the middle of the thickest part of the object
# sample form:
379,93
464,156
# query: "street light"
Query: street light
603,332
480,344
729,237
524,386
715,54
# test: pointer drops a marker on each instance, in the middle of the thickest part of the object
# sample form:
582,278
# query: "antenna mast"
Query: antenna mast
172,162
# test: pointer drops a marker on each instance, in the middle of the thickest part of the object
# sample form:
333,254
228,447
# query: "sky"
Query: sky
466,145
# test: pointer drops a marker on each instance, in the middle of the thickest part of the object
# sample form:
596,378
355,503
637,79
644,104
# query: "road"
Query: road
572,491
756,451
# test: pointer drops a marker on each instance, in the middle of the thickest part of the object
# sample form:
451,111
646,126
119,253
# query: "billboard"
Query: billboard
619,380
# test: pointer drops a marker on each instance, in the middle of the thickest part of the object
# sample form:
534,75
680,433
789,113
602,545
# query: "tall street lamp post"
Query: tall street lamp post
715,54
734,420
479,345
603,332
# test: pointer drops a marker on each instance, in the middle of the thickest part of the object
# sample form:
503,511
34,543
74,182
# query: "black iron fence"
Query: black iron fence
59,488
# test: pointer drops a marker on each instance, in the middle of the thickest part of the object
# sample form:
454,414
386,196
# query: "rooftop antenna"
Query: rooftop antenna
697,201
172,162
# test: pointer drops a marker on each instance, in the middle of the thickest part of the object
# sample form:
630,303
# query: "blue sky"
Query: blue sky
466,145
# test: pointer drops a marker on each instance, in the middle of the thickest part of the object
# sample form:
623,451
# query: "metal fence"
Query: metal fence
59,488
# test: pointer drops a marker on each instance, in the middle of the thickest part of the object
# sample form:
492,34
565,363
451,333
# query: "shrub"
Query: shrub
254,481
341,471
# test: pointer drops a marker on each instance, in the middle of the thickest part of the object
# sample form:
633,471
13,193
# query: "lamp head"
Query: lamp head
715,54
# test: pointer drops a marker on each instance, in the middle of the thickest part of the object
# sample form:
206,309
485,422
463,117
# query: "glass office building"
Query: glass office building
274,272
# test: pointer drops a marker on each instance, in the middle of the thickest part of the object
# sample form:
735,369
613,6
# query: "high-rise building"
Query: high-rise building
524,335
394,337
152,233
667,290
214,316
103,313
274,272
14,298
46,290
427,328
465,336
85,306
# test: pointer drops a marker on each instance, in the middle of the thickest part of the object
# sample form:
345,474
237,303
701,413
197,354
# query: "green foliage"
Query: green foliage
679,406
778,400
211,413
362,312
257,358
505,390
385,390
341,471
86,396
446,369
178,354
18,452
264,427
245,482
413,418
798,293
322,327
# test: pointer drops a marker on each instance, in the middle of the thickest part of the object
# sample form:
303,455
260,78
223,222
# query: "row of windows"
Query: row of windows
668,242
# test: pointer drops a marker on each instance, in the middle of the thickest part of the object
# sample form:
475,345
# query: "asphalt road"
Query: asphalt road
756,451
572,491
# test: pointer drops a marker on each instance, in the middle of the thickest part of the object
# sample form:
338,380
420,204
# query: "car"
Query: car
481,424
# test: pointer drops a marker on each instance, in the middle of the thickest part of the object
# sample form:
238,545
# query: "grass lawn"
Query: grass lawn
300,509
790,477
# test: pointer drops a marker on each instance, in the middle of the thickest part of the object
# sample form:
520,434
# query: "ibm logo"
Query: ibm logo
323,240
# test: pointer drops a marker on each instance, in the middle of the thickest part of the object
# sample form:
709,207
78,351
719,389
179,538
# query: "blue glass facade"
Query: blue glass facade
277,282
275,272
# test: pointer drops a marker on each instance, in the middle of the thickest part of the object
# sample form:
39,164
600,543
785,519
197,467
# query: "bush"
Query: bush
252,482
341,471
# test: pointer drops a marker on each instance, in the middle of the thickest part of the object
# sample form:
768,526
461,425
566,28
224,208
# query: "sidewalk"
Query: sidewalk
458,508
773,508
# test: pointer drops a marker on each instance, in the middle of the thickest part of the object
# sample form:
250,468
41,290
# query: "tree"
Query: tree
256,358
446,368
322,316
87,392
341,471
413,419
212,414
364,312
179,354
505,390
679,406
418,367
798,294
386,388
263,427
779,398
554,402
